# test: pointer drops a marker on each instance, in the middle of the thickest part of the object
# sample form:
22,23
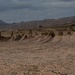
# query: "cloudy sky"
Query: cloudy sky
27,10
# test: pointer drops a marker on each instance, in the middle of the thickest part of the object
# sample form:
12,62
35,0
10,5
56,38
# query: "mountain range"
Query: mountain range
36,24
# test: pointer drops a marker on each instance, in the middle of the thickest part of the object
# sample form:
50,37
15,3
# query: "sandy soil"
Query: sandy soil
33,57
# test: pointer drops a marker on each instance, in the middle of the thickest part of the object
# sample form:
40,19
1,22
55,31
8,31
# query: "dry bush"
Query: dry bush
0,33
32,70
30,32
52,34
73,30
26,36
61,29
18,37
11,33
14,73
36,33
60,33
69,33
44,33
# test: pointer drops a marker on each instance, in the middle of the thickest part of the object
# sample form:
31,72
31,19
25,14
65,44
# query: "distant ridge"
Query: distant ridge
45,23
36,24
3,25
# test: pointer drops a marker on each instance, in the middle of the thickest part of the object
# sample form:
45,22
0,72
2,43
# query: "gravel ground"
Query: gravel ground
32,57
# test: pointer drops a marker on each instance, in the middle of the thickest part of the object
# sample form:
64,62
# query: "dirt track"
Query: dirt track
32,57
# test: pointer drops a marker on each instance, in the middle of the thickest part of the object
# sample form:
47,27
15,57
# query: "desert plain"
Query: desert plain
38,55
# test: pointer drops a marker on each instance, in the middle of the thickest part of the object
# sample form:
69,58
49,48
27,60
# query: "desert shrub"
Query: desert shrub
40,26
18,36
60,33
19,30
11,33
0,33
61,29
22,34
30,31
44,33
36,33
14,73
39,29
72,29
69,32
32,70
26,36
51,33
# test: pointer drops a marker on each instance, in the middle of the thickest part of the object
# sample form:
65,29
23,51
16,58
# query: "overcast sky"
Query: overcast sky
27,10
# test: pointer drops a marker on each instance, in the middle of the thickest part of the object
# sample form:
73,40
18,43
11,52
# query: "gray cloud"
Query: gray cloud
13,4
30,4
18,10
67,0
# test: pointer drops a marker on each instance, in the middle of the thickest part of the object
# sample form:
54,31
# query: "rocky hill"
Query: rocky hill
36,24
3,25
45,23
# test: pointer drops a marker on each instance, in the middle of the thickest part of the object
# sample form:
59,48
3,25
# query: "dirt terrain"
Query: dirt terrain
40,55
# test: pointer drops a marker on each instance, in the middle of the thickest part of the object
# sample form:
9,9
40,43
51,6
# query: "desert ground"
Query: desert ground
38,55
